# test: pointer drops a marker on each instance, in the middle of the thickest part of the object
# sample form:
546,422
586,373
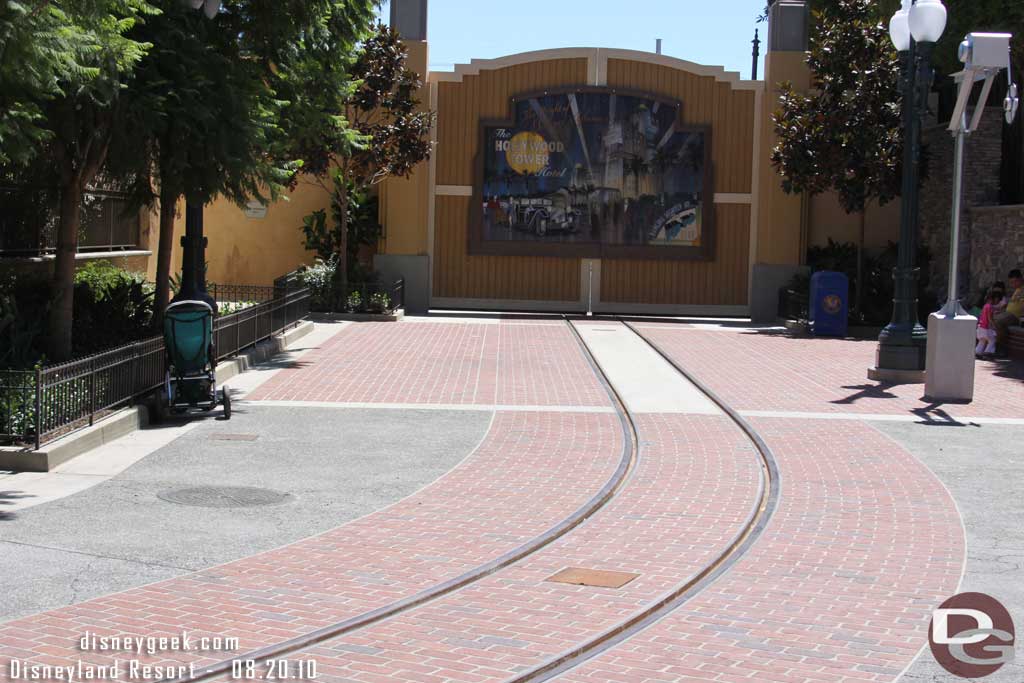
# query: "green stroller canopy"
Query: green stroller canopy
188,333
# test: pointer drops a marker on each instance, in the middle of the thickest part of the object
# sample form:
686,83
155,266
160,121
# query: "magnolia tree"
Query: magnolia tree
845,135
386,134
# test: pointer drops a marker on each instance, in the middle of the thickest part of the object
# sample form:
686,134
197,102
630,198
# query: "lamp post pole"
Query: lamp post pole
193,244
902,345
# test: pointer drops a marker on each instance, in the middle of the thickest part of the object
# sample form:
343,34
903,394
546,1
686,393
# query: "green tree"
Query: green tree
845,135
364,229
217,105
39,46
386,133
79,125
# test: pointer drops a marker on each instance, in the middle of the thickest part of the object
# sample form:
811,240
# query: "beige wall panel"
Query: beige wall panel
486,96
461,107
705,102
722,282
458,275
829,220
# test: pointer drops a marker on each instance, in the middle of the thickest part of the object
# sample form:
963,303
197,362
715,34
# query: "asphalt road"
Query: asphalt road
332,465
983,467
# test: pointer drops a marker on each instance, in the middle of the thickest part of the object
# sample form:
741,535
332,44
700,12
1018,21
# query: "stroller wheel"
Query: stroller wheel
227,403
158,412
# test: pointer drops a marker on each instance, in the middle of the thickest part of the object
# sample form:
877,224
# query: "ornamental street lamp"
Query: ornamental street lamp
914,30
193,262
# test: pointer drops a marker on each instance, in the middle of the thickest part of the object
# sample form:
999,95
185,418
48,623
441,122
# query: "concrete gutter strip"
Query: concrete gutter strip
133,418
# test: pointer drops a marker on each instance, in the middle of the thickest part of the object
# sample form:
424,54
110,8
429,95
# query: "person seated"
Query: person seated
1011,316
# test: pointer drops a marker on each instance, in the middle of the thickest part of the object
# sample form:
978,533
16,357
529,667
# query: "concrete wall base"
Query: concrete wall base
950,364
767,280
359,317
415,270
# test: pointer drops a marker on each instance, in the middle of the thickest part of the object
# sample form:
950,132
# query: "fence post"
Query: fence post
92,391
39,406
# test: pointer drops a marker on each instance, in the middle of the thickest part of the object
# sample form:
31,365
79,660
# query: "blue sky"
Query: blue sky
716,32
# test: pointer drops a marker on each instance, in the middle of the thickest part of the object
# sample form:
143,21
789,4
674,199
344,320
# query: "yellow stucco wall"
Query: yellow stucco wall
251,251
405,203
780,216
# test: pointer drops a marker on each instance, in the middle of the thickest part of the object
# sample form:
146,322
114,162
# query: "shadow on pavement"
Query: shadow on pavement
5,499
1009,368
929,413
781,332
866,391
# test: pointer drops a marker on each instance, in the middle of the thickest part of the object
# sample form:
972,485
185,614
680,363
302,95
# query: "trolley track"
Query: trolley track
627,464
751,530
680,595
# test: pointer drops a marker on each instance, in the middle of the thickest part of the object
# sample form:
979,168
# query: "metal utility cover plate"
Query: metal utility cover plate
593,577
234,437
224,497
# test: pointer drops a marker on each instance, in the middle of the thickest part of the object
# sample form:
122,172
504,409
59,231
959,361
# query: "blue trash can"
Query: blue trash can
829,309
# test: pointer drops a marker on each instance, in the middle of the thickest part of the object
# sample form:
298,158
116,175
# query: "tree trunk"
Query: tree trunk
168,212
341,274
62,302
858,301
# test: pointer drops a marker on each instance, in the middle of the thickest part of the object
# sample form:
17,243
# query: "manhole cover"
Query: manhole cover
224,497
234,437
593,577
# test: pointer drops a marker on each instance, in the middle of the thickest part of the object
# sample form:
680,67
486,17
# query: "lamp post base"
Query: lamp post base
899,363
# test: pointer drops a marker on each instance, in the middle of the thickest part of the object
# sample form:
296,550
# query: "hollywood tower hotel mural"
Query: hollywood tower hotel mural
595,168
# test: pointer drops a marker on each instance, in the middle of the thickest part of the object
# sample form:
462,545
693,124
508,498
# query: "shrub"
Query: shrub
379,302
112,306
354,302
23,308
319,280
878,280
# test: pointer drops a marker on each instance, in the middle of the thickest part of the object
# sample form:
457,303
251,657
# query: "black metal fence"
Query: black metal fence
37,406
241,293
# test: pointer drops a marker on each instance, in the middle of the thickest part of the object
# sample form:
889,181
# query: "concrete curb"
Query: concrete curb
262,352
133,418
56,453
359,317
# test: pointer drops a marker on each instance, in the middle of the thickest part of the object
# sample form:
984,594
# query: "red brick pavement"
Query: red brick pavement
443,363
865,543
760,371
532,471
696,486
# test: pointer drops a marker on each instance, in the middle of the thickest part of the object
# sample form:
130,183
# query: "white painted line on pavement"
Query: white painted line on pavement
485,407
875,417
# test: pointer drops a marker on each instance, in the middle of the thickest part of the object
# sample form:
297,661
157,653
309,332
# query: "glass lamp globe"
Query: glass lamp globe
899,28
927,20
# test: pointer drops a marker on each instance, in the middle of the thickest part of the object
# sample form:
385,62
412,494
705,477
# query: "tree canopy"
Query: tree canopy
845,135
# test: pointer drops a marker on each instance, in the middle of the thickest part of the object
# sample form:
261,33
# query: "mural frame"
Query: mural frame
477,245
